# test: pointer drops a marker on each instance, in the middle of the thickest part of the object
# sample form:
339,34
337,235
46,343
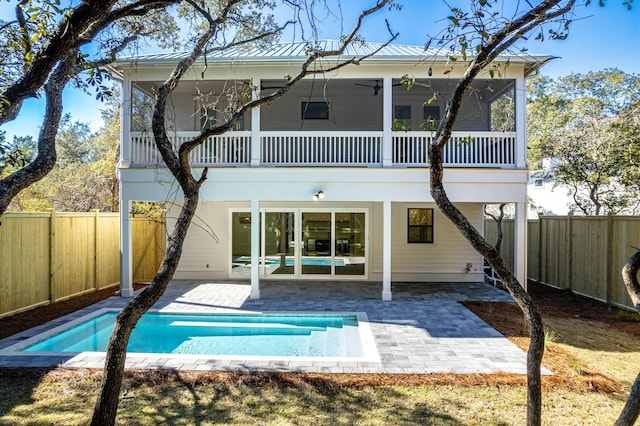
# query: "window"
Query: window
431,115
207,118
314,111
539,183
401,118
402,112
420,226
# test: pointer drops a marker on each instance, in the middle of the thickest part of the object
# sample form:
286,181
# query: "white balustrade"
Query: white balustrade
464,149
321,148
230,149
335,148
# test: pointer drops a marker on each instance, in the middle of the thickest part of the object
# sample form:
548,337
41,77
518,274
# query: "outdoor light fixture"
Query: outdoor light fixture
318,196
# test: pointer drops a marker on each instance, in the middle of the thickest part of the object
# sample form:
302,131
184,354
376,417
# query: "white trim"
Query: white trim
126,250
255,253
386,250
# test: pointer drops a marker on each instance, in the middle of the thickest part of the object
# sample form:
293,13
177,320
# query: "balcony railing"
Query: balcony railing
465,149
230,149
321,148
334,149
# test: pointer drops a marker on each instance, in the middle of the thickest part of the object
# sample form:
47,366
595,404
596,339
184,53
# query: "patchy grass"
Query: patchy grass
151,398
593,358
627,316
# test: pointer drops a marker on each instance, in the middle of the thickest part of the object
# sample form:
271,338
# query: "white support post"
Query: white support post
387,119
126,263
520,244
125,123
386,250
255,249
255,126
521,123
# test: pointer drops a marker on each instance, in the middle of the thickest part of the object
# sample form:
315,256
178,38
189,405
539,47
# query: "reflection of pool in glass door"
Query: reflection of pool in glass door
301,243
279,236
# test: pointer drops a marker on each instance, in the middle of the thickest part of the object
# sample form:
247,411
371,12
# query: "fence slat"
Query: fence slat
48,257
581,253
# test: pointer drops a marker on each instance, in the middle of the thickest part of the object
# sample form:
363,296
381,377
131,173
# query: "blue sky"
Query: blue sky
600,37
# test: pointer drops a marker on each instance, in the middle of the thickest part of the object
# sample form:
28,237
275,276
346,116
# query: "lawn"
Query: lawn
594,358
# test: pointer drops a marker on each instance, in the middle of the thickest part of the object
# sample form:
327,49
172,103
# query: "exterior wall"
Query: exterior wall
365,113
352,107
204,252
445,260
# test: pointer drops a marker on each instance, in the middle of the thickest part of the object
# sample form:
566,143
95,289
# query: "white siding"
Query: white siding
204,255
444,260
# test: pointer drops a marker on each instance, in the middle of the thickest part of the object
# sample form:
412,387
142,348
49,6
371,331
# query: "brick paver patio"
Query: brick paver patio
423,330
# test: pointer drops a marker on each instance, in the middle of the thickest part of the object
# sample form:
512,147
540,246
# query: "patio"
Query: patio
423,330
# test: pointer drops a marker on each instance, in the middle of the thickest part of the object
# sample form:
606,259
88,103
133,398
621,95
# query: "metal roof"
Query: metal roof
298,51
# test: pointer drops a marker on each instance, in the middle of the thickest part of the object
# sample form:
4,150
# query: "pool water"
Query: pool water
218,334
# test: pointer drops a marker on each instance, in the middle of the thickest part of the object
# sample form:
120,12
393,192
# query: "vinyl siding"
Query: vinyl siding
444,260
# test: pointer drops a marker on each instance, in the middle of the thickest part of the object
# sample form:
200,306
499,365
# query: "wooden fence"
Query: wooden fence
584,254
48,257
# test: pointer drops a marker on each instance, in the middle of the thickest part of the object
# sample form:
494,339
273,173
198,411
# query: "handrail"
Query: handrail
334,149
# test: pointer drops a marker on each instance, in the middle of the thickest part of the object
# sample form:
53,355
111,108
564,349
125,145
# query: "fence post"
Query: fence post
96,229
610,281
52,235
540,220
569,242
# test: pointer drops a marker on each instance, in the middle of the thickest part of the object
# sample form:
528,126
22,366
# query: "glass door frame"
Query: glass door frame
298,242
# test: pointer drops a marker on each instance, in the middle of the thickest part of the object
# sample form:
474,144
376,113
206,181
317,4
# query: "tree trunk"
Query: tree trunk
524,301
107,404
631,409
46,157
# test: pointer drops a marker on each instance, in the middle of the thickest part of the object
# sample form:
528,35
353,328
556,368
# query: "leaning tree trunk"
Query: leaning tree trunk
631,409
106,407
107,404
522,298
46,157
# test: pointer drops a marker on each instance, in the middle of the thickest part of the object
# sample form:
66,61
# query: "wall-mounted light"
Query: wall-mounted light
318,196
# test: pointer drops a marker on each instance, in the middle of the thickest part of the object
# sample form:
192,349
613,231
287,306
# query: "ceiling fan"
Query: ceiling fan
376,87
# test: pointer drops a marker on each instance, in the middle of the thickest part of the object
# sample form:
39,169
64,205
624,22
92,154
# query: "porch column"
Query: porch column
520,244
126,264
255,126
387,118
521,123
125,123
255,249
386,250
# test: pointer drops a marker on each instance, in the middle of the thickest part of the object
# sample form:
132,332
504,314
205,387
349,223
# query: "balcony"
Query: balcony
332,149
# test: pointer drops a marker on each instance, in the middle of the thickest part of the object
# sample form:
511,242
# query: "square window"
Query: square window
539,183
420,226
402,112
431,116
314,111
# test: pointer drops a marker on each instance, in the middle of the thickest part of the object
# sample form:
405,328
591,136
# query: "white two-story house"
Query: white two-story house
331,181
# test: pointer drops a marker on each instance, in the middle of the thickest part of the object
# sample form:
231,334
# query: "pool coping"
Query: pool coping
423,330
369,349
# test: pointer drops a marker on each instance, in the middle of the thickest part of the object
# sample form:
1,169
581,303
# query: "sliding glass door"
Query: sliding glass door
302,243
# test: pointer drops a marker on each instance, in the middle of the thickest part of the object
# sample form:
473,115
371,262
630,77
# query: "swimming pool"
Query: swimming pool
246,334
